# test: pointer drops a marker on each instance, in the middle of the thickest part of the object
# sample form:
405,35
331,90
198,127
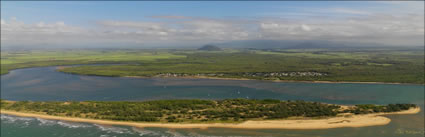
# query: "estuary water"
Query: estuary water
45,84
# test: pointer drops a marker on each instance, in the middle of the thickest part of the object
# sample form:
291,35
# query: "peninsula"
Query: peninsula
228,113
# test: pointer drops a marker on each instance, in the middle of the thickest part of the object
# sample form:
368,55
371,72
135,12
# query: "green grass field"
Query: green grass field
358,65
25,59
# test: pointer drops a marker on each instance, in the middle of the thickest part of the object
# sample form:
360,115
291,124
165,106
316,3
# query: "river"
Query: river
45,84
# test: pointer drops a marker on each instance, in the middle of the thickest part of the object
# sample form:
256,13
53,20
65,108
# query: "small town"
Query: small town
247,74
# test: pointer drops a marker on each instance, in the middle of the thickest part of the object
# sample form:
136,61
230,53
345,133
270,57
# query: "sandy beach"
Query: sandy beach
334,122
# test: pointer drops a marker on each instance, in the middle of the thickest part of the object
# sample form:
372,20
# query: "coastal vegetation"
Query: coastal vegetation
196,111
389,65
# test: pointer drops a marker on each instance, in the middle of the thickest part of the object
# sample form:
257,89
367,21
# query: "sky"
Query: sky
165,23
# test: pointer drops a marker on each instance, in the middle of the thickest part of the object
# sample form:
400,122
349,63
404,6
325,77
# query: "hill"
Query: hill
210,48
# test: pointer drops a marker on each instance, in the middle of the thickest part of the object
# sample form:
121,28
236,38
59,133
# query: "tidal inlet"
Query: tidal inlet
212,69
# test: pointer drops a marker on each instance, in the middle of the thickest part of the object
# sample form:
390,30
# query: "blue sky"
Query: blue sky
78,12
173,19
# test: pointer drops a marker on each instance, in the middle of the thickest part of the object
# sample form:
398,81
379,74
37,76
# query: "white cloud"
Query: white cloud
402,29
171,17
16,32
60,23
384,29
129,24
305,27
349,11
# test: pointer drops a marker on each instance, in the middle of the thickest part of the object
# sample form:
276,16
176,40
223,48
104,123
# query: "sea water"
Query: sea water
45,84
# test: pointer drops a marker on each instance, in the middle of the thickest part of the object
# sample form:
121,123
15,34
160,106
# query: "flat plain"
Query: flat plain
389,65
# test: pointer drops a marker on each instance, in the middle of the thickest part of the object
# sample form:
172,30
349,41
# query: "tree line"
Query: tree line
194,110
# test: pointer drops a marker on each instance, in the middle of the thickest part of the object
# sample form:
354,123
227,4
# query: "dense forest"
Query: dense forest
193,111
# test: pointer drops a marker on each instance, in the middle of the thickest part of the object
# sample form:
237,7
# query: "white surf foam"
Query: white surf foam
145,132
45,122
13,119
174,133
111,129
73,125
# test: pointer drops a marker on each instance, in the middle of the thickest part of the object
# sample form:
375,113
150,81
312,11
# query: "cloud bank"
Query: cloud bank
404,29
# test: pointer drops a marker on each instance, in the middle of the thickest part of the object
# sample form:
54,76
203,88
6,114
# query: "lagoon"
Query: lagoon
45,84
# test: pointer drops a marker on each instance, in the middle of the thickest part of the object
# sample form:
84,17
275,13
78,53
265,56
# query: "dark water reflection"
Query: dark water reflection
46,84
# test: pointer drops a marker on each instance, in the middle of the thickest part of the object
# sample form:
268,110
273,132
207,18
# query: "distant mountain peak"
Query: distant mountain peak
210,48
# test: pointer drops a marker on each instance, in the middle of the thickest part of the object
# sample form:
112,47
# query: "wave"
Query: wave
111,129
22,121
174,133
13,119
73,125
45,122
145,132
194,134
108,130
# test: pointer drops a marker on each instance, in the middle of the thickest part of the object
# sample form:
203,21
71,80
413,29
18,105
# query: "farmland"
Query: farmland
337,65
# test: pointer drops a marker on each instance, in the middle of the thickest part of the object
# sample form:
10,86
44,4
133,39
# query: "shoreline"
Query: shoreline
283,81
223,78
58,67
327,123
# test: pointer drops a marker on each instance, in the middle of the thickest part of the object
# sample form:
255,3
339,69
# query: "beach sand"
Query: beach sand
334,122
